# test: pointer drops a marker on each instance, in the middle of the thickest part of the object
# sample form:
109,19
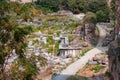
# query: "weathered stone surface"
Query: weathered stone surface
85,44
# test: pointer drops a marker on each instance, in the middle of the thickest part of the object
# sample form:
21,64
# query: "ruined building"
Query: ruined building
114,48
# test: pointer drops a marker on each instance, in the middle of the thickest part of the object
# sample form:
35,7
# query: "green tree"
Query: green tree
95,5
77,6
102,16
51,4
12,38
3,7
13,42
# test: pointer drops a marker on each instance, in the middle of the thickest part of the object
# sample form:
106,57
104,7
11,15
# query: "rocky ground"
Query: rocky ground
96,69
56,64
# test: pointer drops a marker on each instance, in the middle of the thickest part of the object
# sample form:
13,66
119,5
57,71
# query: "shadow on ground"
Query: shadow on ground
76,77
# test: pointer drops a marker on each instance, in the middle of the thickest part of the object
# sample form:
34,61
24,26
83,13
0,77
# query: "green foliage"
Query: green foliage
52,19
50,49
35,41
112,10
13,41
73,78
26,68
58,33
85,78
50,4
113,5
56,47
95,5
44,10
78,6
74,24
12,38
50,40
21,31
102,16
56,27
77,78
29,10
89,18
84,51
42,61
71,38
97,68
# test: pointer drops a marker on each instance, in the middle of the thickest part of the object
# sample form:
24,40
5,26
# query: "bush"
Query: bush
102,16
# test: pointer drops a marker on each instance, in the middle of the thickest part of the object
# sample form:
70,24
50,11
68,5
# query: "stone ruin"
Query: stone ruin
66,50
100,59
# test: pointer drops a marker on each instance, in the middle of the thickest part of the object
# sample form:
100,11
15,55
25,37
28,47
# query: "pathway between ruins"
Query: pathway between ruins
80,63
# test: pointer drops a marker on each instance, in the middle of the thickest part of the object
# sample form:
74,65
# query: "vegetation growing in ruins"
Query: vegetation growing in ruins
13,43
77,6
13,35
84,51
97,68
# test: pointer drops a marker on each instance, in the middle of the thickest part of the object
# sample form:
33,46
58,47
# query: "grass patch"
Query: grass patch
71,38
74,24
84,51
52,19
97,68
56,27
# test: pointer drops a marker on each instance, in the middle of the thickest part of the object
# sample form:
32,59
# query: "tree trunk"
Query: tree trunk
114,48
117,16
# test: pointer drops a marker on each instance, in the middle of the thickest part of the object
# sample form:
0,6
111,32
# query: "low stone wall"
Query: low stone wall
69,52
